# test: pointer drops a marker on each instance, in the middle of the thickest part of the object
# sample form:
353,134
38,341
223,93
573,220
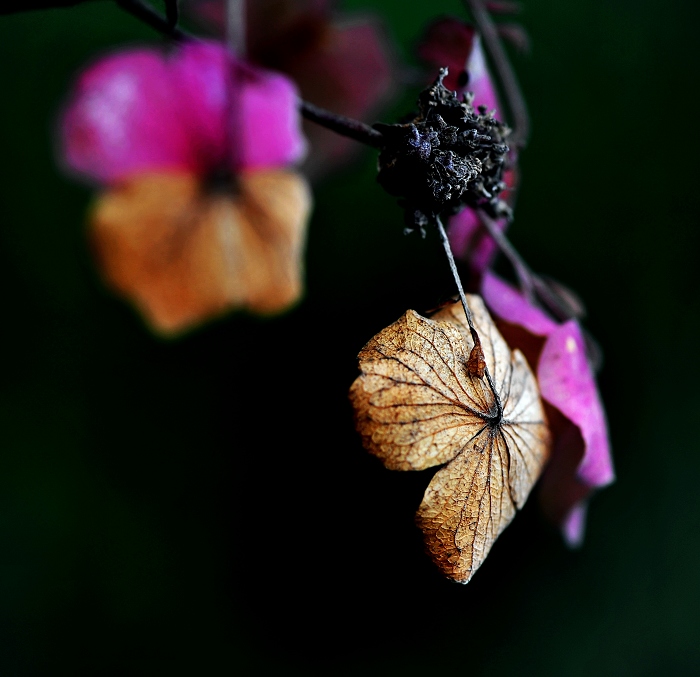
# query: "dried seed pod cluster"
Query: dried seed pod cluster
449,156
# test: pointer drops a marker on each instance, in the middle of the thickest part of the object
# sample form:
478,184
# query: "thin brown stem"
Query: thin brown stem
476,363
453,267
532,285
522,271
236,26
353,129
511,89
167,25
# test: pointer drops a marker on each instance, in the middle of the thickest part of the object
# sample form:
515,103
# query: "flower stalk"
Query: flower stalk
511,89
353,129
453,267
235,27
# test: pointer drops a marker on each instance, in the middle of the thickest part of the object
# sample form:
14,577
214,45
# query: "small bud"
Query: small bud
476,364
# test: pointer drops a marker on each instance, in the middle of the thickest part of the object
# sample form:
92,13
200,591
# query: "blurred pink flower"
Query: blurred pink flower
581,461
344,63
200,214
452,43
141,109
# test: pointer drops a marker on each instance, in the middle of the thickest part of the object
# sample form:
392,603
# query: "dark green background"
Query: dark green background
205,507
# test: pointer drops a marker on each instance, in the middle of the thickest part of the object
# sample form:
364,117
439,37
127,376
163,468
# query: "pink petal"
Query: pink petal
575,525
480,81
581,459
270,120
121,118
142,110
262,107
567,382
452,43
470,241
198,74
509,304
342,67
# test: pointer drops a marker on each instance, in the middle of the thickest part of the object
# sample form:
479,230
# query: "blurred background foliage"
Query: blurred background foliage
204,506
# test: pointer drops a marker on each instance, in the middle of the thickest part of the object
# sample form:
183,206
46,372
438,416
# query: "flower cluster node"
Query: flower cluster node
450,155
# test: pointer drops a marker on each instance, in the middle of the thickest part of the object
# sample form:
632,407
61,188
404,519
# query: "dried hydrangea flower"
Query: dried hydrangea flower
581,460
449,156
419,402
200,213
449,42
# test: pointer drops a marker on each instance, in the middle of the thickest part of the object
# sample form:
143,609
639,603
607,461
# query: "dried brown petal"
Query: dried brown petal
184,255
417,405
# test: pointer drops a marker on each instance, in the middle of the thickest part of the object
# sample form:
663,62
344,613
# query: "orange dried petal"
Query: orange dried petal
184,255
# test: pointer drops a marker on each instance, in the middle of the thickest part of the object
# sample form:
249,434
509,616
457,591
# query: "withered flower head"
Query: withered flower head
200,211
449,156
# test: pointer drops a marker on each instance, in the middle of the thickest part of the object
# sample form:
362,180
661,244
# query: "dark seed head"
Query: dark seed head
446,157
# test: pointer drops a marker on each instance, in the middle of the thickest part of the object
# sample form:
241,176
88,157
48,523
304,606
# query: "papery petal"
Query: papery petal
452,43
566,381
581,460
183,255
574,525
509,304
122,118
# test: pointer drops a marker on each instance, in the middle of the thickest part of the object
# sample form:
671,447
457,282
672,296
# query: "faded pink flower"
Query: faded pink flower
143,110
341,62
199,214
452,43
581,461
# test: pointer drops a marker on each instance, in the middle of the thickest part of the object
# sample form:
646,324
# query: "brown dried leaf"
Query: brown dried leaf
184,254
417,405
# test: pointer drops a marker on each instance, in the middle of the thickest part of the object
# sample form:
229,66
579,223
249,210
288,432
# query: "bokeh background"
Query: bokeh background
204,506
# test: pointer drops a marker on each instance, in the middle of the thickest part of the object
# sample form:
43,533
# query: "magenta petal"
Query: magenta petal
510,305
581,459
453,44
574,525
142,110
271,124
122,118
480,80
199,72
567,382
470,241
